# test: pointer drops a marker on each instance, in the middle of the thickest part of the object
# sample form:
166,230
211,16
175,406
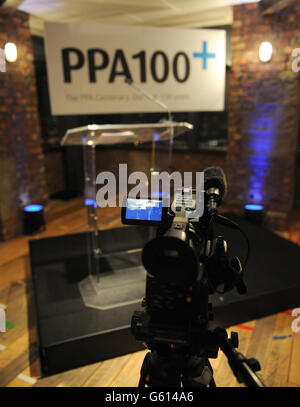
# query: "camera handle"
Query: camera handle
244,369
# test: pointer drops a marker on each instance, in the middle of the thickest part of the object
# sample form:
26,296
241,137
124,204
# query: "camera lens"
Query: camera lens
171,259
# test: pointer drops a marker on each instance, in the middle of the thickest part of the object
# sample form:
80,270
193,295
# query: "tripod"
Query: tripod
173,369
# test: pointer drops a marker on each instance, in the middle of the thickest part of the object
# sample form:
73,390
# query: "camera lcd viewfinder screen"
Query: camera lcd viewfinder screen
144,209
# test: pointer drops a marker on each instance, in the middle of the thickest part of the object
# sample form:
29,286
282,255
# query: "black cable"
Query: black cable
229,223
248,248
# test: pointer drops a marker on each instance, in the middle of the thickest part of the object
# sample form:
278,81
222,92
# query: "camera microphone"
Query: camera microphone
215,187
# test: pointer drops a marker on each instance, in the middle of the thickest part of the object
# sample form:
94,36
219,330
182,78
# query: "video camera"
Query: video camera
185,263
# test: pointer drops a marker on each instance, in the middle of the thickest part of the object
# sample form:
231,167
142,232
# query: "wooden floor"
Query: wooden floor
271,339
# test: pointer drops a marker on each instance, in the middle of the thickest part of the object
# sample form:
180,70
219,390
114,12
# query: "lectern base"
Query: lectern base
114,289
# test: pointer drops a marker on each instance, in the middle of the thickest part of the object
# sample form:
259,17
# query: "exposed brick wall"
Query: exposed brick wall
263,112
22,176
297,184
54,171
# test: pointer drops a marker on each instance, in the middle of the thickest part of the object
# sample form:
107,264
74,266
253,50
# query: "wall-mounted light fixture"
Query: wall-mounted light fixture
265,51
10,51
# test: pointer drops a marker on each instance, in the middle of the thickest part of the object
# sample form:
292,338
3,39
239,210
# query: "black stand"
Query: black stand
173,369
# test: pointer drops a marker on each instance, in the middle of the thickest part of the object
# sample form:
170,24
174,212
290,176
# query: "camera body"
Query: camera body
184,264
176,298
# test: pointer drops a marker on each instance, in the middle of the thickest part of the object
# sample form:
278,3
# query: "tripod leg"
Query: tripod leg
144,370
212,383
197,373
158,371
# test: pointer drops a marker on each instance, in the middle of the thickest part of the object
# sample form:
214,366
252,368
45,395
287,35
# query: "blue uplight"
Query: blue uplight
90,202
262,133
155,136
254,207
33,208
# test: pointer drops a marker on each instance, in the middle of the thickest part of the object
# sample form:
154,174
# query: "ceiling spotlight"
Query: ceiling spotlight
11,53
265,51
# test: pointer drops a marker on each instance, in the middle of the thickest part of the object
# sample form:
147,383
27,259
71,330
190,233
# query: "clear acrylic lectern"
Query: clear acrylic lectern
92,135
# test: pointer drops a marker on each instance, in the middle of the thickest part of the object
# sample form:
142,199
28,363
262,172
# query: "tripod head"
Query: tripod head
193,371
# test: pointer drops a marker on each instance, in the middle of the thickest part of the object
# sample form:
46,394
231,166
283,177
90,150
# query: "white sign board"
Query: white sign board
88,63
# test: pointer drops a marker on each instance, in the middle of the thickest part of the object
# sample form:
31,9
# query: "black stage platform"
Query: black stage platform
74,331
